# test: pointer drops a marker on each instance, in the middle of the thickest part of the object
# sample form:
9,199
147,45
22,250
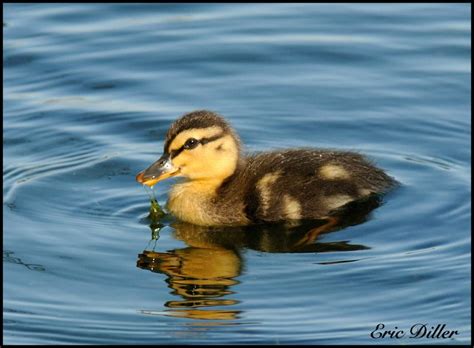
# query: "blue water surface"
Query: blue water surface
89,92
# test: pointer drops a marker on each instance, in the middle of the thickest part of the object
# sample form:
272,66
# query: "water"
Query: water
89,92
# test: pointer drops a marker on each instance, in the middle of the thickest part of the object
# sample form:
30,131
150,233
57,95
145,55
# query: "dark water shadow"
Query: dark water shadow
10,258
202,275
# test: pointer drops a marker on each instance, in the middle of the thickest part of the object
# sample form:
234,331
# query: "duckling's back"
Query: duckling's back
302,183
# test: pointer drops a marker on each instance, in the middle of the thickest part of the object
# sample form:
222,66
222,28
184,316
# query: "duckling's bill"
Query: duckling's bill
158,171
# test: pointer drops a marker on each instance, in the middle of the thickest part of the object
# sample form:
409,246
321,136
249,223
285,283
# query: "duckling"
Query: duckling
224,187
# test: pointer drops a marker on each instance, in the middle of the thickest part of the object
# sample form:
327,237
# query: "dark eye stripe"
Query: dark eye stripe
176,152
203,141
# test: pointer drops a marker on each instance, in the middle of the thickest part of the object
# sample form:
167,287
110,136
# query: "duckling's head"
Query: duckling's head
199,146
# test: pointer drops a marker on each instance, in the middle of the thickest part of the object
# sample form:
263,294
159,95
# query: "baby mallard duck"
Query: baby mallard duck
223,187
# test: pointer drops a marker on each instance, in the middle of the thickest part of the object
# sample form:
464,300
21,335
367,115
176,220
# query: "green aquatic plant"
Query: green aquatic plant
156,212
156,215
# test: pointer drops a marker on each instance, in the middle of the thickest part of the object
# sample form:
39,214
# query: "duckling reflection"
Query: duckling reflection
200,276
203,273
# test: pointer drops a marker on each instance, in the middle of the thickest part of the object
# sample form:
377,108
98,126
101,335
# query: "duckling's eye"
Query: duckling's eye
191,143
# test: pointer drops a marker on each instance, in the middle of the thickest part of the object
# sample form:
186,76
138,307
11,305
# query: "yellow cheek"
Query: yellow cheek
189,162
180,161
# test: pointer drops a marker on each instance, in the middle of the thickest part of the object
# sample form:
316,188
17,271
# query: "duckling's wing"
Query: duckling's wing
307,183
